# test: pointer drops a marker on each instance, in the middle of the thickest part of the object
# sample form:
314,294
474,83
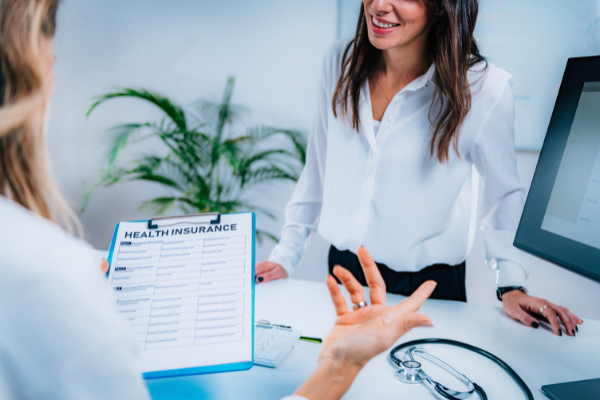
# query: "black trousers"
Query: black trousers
450,279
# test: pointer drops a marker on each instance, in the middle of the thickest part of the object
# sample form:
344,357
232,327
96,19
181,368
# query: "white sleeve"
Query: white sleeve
303,210
72,343
503,196
107,371
294,398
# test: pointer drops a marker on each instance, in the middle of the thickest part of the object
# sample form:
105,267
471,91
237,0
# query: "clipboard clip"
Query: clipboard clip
185,219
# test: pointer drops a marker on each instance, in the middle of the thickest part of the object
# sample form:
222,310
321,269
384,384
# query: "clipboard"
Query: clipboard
201,224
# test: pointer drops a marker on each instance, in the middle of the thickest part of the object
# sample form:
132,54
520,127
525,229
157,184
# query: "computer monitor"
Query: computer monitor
561,218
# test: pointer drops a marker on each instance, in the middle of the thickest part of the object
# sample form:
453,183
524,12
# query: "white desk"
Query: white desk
537,355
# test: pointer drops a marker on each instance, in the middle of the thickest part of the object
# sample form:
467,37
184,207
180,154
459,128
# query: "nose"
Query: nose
381,6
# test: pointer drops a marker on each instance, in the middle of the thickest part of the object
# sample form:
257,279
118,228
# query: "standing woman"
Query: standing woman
405,110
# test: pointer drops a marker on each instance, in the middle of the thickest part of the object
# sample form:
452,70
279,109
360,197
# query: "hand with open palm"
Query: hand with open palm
360,335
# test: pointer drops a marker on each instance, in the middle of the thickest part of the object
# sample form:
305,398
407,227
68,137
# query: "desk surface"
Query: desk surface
537,355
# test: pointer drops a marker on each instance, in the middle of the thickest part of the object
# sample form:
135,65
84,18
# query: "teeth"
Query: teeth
382,25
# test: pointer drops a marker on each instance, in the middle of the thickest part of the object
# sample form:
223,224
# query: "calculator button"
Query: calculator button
272,355
279,345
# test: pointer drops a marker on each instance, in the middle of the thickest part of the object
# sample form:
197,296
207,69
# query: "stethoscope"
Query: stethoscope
411,371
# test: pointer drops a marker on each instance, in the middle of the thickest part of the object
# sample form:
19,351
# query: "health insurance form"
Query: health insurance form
186,290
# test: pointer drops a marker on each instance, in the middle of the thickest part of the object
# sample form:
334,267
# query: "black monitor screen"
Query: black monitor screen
574,207
561,220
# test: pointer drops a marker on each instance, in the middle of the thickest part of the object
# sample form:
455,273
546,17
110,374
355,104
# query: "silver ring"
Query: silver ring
542,310
358,305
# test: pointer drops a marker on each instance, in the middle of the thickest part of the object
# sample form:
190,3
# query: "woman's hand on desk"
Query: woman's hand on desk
269,271
520,306
360,335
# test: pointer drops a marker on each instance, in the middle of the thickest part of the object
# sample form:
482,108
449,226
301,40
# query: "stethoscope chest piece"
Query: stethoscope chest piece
410,372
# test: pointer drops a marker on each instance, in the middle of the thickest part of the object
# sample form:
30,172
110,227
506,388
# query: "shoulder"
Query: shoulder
491,91
488,82
37,256
30,242
335,52
332,62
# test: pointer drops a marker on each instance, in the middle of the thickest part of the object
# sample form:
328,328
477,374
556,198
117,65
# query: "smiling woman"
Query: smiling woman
409,113
439,33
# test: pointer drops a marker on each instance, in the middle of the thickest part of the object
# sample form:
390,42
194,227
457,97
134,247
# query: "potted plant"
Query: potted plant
208,165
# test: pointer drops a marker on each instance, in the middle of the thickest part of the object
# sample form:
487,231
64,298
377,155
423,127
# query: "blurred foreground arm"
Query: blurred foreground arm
360,335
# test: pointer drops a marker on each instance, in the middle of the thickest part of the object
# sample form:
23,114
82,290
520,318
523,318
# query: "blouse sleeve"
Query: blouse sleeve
503,196
303,210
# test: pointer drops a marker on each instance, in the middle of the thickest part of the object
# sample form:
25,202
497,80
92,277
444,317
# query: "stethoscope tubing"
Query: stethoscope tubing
469,347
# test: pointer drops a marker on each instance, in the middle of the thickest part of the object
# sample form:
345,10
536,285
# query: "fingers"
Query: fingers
276,273
521,315
356,291
516,304
416,320
416,300
406,322
339,301
264,267
552,317
566,318
268,271
104,265
373,276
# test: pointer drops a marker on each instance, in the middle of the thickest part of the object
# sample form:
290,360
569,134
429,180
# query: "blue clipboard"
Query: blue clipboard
210,369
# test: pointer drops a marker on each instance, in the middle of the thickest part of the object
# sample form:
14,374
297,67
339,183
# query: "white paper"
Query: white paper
186,290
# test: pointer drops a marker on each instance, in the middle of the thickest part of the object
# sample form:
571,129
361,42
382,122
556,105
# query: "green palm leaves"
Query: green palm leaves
206,167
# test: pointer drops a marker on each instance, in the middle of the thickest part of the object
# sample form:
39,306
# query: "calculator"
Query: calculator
273,343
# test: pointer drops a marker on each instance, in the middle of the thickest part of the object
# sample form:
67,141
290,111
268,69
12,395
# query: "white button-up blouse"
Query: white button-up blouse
387,193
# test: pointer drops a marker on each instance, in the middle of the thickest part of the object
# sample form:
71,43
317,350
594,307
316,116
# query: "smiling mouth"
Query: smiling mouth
382,24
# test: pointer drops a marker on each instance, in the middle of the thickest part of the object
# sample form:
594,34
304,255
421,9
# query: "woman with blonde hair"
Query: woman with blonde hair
60,336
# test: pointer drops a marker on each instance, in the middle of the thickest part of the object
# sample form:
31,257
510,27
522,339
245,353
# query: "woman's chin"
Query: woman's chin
383,43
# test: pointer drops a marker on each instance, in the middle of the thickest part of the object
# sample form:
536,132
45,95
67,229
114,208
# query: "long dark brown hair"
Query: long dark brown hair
451,48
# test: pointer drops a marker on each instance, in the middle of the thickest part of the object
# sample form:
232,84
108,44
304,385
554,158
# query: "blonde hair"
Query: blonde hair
25,176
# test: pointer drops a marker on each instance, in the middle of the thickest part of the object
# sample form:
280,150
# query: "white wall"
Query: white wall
185,49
